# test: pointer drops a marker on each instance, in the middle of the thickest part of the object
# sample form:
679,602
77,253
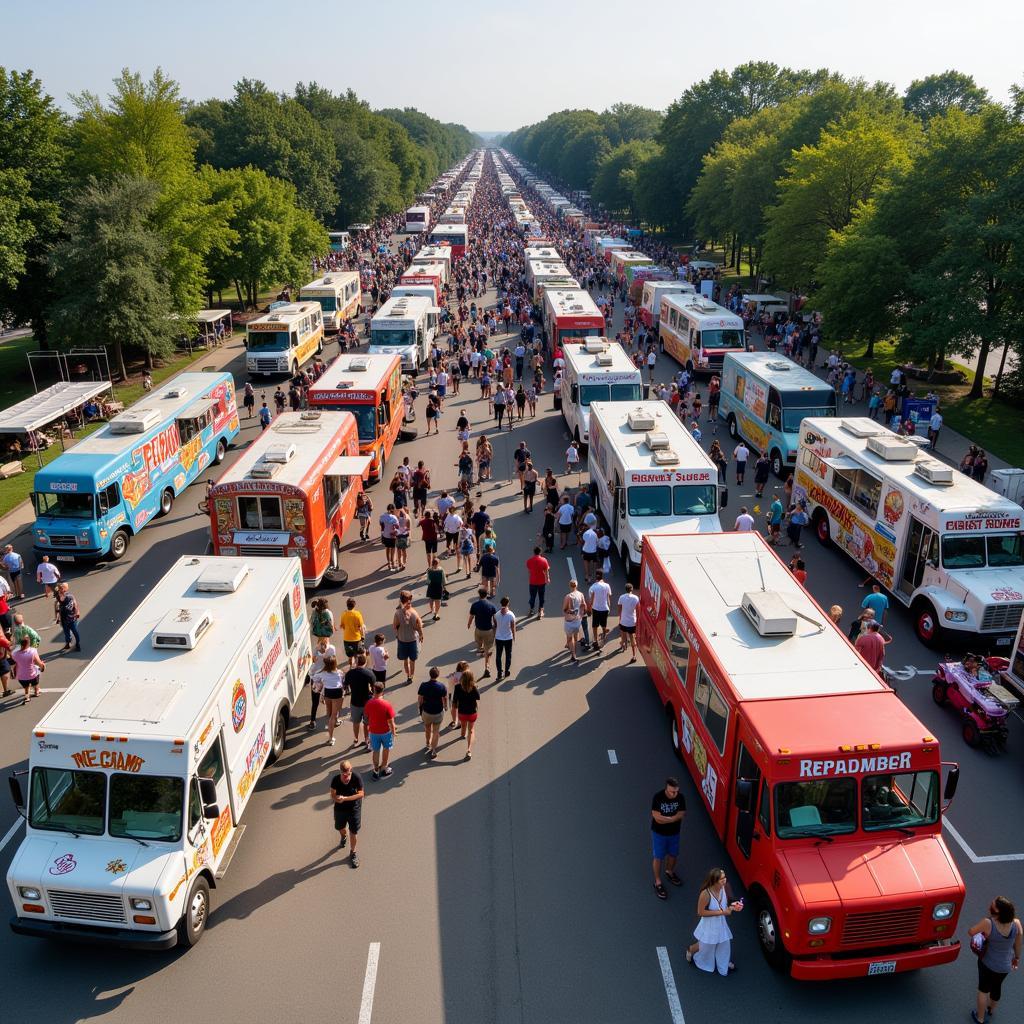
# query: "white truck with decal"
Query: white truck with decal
138,776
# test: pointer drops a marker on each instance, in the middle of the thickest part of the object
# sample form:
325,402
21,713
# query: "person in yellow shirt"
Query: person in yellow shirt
352,630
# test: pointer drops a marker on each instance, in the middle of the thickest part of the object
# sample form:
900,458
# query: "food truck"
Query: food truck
338,294
292,493
826,791
140,774
599,370
281,341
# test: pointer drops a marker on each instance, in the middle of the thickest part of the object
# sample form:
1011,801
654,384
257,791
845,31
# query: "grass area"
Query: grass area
17,384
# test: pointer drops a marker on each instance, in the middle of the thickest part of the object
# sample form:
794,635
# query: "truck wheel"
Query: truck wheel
197,912
926,624
674,733
118,545
972,736
939,694
221,452
821,529
279,735
734,432
777,467
335,576
769,934
166,503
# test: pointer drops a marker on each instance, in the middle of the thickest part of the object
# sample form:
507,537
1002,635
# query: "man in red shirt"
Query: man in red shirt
871,644
539,570
380,717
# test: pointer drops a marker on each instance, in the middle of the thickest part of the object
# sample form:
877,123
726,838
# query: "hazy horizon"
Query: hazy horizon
75,47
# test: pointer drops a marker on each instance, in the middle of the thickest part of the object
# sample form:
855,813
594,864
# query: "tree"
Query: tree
614,185
938,94
113,284
628,122
33,157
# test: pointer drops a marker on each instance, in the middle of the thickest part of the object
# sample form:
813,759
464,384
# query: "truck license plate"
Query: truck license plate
882,967
63,558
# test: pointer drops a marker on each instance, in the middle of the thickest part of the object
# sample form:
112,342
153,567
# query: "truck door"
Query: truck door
750,801
922,547
618,506
201,828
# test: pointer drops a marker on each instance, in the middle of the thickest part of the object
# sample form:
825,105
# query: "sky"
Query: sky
497,66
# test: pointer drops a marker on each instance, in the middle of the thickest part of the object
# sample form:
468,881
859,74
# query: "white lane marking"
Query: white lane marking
54,689
572,568
369,983
10,832
613,758
671,994
995,858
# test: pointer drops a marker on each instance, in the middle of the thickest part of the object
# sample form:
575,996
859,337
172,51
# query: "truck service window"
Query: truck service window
711,707
260,513
62,800
650,501
900,801
146,807
695,499
816,808
678,647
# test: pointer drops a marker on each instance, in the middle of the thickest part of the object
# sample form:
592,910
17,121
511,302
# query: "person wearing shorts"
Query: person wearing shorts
408,632
432,698
380,715
389,534
667,810
347,798
565,515
359,683
353,628
481,618
628,603
599,604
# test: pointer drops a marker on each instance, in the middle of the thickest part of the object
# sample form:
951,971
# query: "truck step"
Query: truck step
229,855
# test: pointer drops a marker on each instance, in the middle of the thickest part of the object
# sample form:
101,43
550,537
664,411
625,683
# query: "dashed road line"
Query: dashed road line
369,983
675,1008
613,758
995,858
11,833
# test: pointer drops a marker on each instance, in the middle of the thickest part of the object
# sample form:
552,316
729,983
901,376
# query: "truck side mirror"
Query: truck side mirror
211,811
575,393
744,795
952,781
647,391
16,794
208,791
723,496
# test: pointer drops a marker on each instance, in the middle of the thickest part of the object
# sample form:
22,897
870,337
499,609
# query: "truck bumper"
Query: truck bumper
66,555
94,935
827,968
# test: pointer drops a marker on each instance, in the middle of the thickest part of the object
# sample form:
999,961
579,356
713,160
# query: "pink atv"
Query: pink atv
972,688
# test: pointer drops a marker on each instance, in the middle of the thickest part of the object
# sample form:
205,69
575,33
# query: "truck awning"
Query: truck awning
350,465
841,462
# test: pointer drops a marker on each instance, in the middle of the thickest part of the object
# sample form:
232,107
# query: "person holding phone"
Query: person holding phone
713,949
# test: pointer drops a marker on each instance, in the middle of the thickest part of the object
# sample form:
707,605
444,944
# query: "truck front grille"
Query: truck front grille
1002,616
259,551
87,906
881,927
266,365
62,540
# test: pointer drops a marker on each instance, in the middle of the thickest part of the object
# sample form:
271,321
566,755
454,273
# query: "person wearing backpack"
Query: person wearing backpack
67,614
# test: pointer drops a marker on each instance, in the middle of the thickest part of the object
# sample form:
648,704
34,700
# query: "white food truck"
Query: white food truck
941,543
649,475
139,775
404,326
599,370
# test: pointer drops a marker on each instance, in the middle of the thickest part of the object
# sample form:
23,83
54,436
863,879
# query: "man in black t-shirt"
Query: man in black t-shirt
667,810
347,796
359,684
481,618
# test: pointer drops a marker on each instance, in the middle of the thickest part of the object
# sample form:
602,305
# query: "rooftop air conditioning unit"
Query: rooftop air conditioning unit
604,359
707,306
360,364
135,421
769,613
934,472
264,470
778,366
665,457
327,280
180,391
223,577
657,439
310,414
593,345
861,426
274,318
640,420
892,448
279,453
181,629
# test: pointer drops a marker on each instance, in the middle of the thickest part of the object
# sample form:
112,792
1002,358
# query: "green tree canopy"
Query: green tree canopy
938,94
615,183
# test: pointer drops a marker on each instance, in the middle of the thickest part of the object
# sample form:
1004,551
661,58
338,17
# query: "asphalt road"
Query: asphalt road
512,888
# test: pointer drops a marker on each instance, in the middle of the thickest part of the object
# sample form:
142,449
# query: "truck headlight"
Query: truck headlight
954,615
819,925
140,904
943,911
29,892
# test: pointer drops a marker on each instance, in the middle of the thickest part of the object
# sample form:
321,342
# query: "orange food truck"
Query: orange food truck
825,790
292,493
369,387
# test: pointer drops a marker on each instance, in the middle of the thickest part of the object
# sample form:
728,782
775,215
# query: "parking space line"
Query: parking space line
10,833
613,758
995,858
369,983
572,569
671,993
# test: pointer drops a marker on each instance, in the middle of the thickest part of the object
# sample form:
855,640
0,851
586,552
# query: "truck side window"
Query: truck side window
286,618
195,806
764,815
774,417
678,647
212,765
109,497
712,708
334,488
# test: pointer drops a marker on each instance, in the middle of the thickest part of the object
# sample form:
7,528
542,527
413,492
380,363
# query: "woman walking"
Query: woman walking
329,680
454,678
530,477
547,531
436,583
484,457
29,667
467,549
1000,954
572,618
321,621
324,649
713,947
402,537
467,701
551,488
364,511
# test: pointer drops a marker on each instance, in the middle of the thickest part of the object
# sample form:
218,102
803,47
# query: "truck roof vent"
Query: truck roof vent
279,453
179,391
358,364
861,426
604,359
769,613
778,366
181,629
934,472
309,415
665,457
264,470
656,439
640,419
892,448
222,577
135,421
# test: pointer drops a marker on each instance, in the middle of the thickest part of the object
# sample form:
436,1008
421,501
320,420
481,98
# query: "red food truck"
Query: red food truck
826,791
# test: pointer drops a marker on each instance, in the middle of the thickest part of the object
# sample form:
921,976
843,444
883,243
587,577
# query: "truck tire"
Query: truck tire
926,623
778,467
822,530
221,452
196,914
279,735
769,934
119,545
166,503
675,735
734,431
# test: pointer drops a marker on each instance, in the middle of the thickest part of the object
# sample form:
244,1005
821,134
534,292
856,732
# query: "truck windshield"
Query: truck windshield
959,552
900,801
146,806
649,500
366,420
268,341
62,800
819,807
1005,549
791,417
605,392
393,336
724,338
328,303
65,506
695,499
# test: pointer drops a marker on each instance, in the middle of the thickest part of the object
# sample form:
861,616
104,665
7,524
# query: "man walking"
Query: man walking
504,635
408,628
380,716
432,698
599,604
359,684
67,614
47,575
347,795
667,810
539,571
388,535
741,453
934,426
15,565
481,618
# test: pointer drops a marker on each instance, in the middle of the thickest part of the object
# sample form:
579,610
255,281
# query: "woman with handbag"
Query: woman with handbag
996,941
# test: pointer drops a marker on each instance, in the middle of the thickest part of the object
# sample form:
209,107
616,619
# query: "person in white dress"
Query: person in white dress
713,948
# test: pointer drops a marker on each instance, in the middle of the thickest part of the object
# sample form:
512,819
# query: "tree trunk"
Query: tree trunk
869,352
40,332
149,360
1002,366
978,387
241,301
119,360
